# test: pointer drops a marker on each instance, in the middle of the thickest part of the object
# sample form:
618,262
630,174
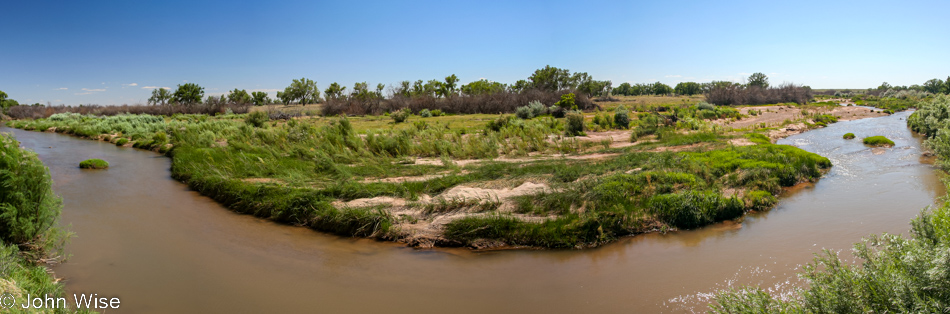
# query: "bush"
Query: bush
400,116
622,117
574,124
28,207
257,119
848,136
523,113
567,101
93,164
425,113
878,141
437,113
121,141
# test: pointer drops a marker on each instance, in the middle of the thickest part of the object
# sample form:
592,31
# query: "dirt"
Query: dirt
848,113
263,180
787,131
464,162
419,229
677,148
769,115
741,142
618,138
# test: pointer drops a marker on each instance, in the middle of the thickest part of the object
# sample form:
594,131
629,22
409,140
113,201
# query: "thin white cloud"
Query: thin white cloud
85,93
154,87
266,90
61,88
94,90
132,84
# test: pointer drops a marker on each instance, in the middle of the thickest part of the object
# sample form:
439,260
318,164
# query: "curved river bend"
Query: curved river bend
162,248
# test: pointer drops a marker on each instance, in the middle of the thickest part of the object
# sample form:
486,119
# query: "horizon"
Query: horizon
113,53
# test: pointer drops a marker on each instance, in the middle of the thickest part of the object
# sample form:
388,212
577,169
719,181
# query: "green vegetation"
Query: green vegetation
93,164
895,275
320,171
848,136
878,141
28,213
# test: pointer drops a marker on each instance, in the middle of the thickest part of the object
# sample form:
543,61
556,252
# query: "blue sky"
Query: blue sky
108,52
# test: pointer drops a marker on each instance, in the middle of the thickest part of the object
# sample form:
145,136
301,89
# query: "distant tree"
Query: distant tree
933,86
623,89
884,86
189,93
758,79
239,96
303,91
661,89
519,86
550,79
418,88
687,88
483,87
404,89
432,88
260,98
285,97
6,103
449,88
335,92
946,86
160,96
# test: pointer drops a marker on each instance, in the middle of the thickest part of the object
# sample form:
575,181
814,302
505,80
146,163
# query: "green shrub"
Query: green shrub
622,117
567,101
257,119
848,136
425,113
575,124
93,164
692,209
523,112
400,116
121,141
878,141
28,207
437,113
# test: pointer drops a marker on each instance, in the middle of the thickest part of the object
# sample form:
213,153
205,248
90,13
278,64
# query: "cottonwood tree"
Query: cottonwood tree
239,96
160,96
260,98
482,87
303,91
449,88
687,88
933,86
550,79
758,79
6,103
335,92
189,93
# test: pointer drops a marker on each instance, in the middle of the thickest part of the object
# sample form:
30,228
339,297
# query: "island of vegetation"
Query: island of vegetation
878,141
93,164
570,162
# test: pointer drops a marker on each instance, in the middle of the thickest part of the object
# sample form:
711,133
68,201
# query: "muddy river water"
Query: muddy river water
162,248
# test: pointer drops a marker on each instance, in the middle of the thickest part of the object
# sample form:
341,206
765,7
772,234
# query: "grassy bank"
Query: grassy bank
28,236
473,180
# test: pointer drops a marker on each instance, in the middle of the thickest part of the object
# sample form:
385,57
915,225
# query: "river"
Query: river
160,247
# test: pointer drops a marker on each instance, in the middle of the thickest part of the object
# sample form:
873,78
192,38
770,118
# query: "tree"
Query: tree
239,97
946,86
758,79
520,86
449,87
624,89
335,92
483,87
160,96
661,89
260,98
550,79
285,97
303,91
6,103
884,86
687,88
933,86
189,93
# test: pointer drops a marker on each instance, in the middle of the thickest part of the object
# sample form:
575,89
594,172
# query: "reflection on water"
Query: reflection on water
162,248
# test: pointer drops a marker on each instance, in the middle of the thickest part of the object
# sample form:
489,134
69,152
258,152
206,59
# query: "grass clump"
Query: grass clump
121,141
848,136
878,141
257,119
93,164
574,126
400,116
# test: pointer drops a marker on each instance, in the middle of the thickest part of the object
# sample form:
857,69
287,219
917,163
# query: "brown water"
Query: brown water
162,248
